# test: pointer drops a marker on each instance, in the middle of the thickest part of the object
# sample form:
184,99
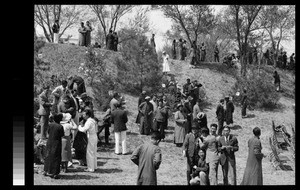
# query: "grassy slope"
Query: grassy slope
119,170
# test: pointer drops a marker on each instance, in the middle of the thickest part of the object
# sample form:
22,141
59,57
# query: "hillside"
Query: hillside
217,81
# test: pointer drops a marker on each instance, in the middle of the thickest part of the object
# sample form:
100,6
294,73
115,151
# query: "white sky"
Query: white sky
159,24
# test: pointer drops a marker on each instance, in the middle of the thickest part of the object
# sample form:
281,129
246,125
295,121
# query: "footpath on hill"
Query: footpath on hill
119,170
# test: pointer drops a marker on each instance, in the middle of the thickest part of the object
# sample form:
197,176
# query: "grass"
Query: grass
217,81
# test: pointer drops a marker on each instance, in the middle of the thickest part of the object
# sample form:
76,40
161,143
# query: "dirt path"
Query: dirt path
119,170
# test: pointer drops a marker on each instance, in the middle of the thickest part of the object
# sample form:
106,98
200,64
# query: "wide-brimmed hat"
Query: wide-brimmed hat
200,115
226,97
66,117
147,98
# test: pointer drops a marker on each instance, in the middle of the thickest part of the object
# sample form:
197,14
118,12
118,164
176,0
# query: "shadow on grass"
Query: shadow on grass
236,127
275,107
131,133
99,163
169,141
110,170
285,167
77,177
250,115
218,67
108,158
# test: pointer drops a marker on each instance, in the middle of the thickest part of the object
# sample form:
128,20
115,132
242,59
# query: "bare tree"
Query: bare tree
109,15
278,22
45,16
193,20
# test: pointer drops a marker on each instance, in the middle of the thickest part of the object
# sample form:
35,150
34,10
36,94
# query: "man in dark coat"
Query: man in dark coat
228,145
44,110
253,172
276,81
148,158
110,40
55,29
229,111
187,87
216,54
53,148
119,119
180,45
190,151
80,85
220,112
200,170
146,110
188,111
174,49
141,100
116,41
244,104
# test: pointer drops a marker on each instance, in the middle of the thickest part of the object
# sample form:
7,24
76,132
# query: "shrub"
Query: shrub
261,92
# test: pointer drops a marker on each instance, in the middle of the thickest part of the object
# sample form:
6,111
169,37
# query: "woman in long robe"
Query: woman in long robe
174,49
89,29
253,171
80,145
82,33
180,122
90,127
53,148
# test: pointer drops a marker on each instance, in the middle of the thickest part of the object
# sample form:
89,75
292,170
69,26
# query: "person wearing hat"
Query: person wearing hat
148,159
220,112
146,110
44,109
209,146
140,101
76,82
227,146
180,126
190,148
201,120
166,67
229,109
66,154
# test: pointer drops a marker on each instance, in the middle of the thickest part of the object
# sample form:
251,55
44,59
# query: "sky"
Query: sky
159,25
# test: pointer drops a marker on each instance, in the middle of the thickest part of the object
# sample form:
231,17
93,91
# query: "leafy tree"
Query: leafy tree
45,16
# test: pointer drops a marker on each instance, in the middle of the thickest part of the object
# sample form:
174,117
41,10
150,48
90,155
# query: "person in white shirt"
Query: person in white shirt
58,92
66,154
91,152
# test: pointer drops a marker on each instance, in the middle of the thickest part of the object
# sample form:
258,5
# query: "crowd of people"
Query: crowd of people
282,59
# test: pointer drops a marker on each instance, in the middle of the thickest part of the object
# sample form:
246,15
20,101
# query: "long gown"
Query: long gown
179,132
166,67
53,149
253,171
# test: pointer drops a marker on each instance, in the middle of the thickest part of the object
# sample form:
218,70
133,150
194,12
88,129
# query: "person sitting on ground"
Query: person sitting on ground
200,170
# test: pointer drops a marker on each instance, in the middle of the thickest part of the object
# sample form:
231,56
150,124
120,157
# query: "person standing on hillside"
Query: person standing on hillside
184,49
148,158
116,41
228,145
140,100
277,81
110,40
203,51
229,109
187,87
152,43
146,110
174,49
166,67
119,120
55,30
114,102
89,29
193,54
188,110
244,103
216,55
253,172
80,85
180,45
44,109
220,112
180,126
82,33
